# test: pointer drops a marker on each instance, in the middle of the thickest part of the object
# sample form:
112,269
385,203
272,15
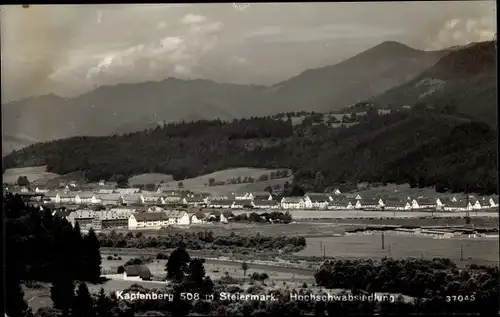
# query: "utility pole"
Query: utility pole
461,252
324,253
389,249
383,242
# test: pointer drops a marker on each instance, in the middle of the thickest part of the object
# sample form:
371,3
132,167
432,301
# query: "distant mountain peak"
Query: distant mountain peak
392,46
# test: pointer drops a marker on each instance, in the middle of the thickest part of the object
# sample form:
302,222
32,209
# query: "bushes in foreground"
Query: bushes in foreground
203,240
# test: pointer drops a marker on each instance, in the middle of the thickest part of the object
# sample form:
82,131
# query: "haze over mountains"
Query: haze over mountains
132,107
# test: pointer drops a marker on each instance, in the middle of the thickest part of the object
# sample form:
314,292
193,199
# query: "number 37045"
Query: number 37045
460,298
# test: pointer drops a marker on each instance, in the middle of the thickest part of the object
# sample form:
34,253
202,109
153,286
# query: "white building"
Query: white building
317,201
221,203
293,203
151,198
40,190
66,198
109,199
158,220
241,203
137,273
127,191
243,196
130,199
87,198
198,218
265,204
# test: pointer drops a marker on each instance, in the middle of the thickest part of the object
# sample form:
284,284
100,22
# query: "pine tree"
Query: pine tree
177,264
83,305
103,304
15,304
77,253
62,292
91,257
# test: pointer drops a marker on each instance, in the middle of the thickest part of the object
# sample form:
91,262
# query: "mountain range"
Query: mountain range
131,107
389,74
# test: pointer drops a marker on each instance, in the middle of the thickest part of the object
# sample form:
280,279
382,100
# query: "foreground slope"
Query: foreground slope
419,148
463,81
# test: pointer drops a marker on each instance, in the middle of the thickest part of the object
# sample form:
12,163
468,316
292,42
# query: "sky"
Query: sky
71,49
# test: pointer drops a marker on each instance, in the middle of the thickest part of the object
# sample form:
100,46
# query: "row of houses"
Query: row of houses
120,199
264,200
318,201
133,219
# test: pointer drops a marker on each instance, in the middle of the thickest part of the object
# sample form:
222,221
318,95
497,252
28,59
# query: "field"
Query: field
481,251
339,214
34,173
198,184
150,178
319,228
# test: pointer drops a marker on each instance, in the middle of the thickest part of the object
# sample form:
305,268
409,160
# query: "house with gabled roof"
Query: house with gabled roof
221,203
456,206
340,203
218,216
493,202
127,191
195,201
105,191
66,198
197,218
243,196
265,204
241,204
423,203
130,199
475,204
137,273
316,200
396,204
109,199
157,220
262,196
293,203
151,198
87,198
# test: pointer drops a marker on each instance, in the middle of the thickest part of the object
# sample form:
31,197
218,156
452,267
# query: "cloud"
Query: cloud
162,25
193,19
462,31
238,60
171,55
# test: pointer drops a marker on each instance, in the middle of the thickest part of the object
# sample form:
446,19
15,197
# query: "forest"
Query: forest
419,147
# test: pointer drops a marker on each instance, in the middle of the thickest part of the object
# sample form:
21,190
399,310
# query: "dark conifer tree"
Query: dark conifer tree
15,304
83,305
103,304
91,261
177,264
62,292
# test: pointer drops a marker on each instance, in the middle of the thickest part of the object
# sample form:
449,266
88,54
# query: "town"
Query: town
105,206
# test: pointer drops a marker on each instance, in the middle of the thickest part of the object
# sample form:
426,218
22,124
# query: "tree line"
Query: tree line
41,247
201,240
454,154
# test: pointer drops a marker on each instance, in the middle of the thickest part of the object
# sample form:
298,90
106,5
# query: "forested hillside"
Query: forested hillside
464,80
417,147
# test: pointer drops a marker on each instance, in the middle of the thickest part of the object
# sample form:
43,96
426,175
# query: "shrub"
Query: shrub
109,258
120,270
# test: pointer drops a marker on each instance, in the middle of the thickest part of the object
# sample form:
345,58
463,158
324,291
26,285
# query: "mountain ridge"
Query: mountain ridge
110,109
